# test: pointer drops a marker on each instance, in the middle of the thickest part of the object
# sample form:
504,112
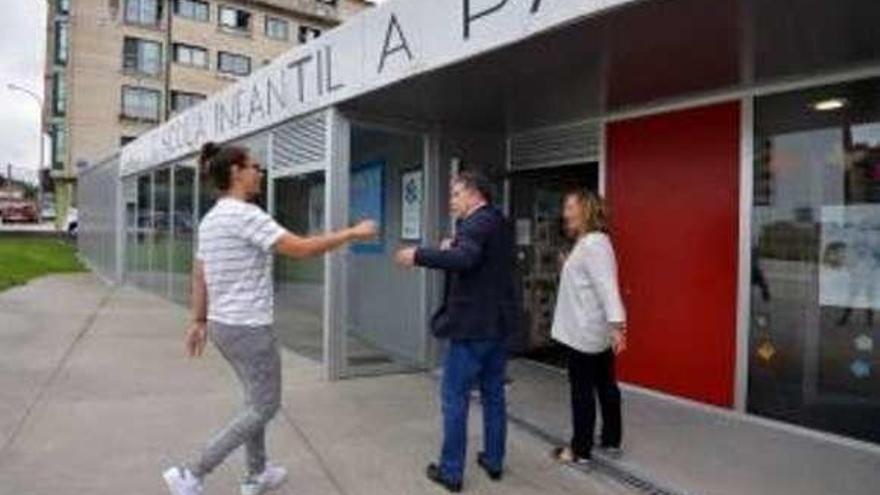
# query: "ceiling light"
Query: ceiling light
829,105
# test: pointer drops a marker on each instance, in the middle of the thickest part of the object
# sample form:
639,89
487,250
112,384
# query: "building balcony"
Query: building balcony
314,9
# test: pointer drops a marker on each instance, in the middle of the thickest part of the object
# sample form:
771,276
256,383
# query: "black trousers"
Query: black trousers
591,376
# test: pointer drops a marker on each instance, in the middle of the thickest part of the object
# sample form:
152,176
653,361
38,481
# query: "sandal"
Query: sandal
566,455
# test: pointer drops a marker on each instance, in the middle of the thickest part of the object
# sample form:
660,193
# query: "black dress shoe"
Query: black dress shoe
494,474
434,474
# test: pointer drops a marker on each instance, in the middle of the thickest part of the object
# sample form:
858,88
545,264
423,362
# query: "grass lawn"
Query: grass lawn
23,259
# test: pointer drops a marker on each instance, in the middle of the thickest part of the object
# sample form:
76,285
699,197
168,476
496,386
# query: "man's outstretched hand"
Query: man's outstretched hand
406,257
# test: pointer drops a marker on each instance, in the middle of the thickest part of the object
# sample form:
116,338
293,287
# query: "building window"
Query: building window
59,146
195,10
62,6
277,29
193,56
328,2
126,139
140,103
231,63
235,19
59,94
144,12
181,100
815,270
142,56
62,41
307,33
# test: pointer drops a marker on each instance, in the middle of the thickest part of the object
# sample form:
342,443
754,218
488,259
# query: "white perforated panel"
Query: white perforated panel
558,145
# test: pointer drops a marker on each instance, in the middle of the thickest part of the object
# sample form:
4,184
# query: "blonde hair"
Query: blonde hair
595,210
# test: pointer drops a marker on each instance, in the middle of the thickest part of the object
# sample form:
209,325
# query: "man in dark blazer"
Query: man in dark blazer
478,313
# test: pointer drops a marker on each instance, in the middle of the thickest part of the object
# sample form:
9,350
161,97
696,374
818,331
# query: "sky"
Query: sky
22,51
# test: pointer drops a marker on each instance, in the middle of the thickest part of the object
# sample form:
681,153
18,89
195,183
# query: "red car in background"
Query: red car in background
18,211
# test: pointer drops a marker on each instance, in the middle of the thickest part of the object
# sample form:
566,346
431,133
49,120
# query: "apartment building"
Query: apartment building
117,68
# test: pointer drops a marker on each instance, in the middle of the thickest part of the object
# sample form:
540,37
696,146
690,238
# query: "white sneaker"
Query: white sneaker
181,481
270,479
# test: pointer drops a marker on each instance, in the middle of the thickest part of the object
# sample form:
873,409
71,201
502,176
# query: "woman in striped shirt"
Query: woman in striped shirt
232,301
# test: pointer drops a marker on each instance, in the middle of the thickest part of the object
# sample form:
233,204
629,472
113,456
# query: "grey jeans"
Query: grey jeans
253,354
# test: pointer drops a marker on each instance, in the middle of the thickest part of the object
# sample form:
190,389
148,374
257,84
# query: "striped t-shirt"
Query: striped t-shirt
235,245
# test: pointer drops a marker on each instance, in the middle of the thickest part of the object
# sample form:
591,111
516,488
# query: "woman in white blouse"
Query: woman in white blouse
591,322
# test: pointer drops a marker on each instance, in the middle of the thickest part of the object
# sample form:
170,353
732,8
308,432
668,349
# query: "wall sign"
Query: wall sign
367,202
849,273
523,231
412,198
385,44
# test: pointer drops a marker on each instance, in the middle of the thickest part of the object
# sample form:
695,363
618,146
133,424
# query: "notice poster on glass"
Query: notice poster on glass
367,193
523,232
849,274
411,191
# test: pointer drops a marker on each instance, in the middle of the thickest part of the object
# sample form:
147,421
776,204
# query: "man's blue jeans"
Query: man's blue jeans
467,362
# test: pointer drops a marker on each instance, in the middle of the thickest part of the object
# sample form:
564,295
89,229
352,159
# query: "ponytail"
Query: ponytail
216,162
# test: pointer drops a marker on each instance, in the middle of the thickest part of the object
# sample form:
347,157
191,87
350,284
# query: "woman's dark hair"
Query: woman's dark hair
217,161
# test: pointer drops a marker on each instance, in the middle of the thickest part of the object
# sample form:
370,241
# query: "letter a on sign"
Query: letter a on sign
401,43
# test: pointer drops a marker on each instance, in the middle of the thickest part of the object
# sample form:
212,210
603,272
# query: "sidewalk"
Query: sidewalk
96,398
690,449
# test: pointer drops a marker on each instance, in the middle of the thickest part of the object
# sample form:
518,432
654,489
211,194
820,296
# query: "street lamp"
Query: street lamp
39,100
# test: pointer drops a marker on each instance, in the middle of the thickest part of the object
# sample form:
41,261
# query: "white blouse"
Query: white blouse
588,301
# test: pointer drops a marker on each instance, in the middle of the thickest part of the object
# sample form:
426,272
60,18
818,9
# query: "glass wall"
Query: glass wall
130,203
387,326
144,232
99,225
183,232
159,220
816,259
299,284
162,210
207,195
159,280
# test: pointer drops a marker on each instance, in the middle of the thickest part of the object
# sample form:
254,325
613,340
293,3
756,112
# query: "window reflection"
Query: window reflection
816,260
161,232
299,287
144,231
182,249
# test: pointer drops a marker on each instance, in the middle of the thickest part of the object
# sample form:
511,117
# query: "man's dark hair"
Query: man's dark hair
475,181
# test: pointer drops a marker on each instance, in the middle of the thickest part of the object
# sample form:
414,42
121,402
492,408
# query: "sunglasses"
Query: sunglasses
256,166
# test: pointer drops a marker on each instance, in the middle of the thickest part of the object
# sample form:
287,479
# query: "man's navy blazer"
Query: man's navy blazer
480,300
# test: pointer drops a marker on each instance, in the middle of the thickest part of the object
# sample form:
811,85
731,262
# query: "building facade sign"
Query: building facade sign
397,40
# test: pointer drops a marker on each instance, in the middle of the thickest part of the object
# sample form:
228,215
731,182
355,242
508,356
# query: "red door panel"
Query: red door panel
673,186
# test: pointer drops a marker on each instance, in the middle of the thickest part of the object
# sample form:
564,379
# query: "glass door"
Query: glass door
536,211
386,328
299,284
